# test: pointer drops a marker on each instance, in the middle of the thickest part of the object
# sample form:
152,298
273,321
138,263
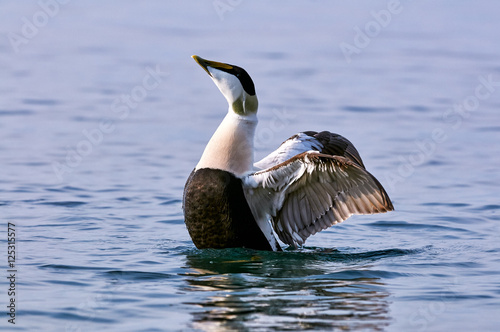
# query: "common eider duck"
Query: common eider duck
311,182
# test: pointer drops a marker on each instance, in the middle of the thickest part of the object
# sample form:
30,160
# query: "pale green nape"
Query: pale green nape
251,104
238,106
247,107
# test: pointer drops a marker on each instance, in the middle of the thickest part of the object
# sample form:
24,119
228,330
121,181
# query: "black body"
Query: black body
217,214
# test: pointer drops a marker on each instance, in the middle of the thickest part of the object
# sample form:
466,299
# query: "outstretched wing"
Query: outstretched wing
324,142
311,192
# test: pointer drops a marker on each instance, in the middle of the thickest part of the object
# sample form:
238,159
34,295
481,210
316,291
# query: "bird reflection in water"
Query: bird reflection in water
236,289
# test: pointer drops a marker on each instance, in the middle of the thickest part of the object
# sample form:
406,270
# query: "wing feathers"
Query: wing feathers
313,191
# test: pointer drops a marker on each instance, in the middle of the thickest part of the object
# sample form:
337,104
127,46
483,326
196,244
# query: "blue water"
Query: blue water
103,115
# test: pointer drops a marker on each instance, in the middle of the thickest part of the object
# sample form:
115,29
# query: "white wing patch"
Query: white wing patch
291,147
311,192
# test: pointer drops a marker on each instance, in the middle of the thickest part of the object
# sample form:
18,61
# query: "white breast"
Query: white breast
231,146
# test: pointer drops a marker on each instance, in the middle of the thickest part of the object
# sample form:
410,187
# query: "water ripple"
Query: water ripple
20,112
72,267
138,275
405,224
367,109
44,102
64,203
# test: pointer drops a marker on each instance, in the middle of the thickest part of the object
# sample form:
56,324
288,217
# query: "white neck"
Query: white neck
231,146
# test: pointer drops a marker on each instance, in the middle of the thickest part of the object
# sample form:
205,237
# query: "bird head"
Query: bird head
234,83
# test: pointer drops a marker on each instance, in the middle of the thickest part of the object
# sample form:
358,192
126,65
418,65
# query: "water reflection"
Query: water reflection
246,290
